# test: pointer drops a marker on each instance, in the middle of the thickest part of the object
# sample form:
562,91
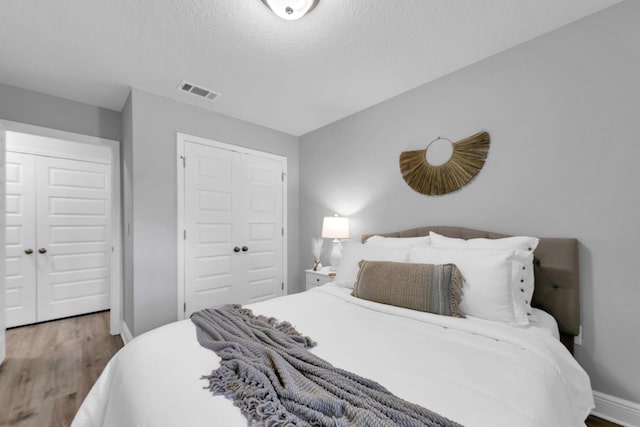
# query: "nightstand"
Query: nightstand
320,277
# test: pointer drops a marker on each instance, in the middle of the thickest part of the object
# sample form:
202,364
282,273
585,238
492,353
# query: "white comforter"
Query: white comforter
476,372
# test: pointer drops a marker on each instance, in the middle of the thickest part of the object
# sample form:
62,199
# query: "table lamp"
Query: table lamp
335,227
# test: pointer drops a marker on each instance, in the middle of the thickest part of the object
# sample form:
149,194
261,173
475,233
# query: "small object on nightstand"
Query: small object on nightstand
316,250
318,278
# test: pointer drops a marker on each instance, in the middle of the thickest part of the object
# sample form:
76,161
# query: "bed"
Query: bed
479,372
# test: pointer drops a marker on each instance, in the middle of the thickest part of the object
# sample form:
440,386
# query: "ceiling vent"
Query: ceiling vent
198,91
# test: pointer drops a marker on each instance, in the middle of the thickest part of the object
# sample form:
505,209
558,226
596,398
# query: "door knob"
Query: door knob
42,250
245,249
236,249
28,251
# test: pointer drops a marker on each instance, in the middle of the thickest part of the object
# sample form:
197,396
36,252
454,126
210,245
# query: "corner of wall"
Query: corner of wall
126,192
125,333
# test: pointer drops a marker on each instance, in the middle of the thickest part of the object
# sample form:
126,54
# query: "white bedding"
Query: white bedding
476,372
543,320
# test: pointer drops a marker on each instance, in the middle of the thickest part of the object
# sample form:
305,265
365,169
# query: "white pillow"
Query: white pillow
523,243
524,285
523,292
354,252
489,279
398,242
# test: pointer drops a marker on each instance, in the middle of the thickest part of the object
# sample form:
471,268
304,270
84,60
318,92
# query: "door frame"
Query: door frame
3,323
115,294
181,140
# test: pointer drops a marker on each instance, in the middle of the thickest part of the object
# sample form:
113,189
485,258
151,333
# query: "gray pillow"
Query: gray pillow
424,287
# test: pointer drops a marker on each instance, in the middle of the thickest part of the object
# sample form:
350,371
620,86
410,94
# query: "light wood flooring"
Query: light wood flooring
51,366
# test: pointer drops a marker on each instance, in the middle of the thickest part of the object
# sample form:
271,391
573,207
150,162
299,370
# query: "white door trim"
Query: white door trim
2,244
181,140
116,232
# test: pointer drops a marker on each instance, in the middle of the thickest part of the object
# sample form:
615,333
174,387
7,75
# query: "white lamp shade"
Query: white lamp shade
335,227
290,9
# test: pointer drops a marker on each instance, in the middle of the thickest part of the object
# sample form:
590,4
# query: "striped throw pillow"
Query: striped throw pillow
424,287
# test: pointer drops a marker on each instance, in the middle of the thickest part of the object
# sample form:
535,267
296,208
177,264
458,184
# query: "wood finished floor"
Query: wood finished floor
51,366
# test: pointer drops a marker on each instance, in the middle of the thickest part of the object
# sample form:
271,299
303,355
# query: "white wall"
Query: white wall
154,122
562,111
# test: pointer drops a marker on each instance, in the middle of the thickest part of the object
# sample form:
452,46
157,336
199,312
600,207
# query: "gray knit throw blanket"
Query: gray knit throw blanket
270,375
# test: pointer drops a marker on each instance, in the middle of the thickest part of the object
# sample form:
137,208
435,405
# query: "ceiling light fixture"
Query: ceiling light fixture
291,9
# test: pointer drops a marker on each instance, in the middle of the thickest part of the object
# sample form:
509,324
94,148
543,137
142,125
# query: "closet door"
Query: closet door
213,224
262,181
21,253
233,216
73,235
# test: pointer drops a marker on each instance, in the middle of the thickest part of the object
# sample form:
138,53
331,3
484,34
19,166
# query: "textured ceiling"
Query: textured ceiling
294,76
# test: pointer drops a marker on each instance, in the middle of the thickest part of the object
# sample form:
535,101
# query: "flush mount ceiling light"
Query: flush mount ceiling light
291,9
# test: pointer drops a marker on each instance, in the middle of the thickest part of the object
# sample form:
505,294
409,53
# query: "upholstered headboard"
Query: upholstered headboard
557,287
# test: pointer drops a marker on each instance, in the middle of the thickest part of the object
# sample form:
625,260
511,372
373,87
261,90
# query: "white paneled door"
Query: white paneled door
211,265
233,219
262,181
73,232
21,250
58,217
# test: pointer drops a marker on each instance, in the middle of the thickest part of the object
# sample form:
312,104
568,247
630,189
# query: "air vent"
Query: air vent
198,91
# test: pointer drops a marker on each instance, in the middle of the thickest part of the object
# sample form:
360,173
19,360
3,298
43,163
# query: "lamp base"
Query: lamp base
336,255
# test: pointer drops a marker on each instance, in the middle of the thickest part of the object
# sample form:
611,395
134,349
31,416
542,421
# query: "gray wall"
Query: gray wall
25,106
562,111
155,121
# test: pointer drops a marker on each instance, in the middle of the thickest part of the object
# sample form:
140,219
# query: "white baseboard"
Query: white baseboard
115,326
126,333
617,410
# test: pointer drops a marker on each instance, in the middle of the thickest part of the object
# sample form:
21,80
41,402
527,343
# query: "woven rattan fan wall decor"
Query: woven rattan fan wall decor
467,158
